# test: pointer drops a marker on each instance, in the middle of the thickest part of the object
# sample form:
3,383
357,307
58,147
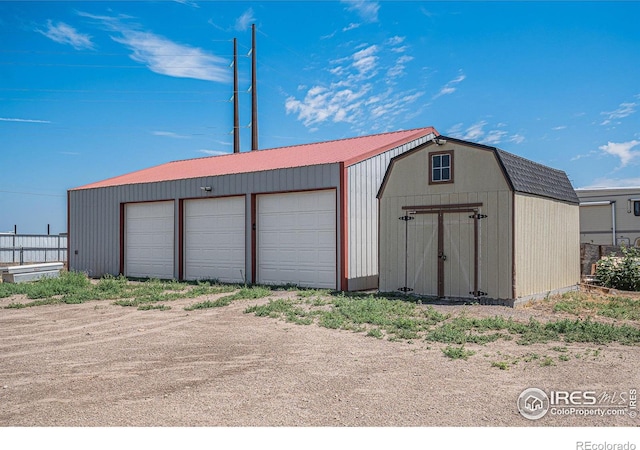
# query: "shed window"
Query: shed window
441,167
636,208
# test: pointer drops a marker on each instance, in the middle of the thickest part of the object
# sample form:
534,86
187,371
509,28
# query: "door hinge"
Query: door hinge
405,218
478,293
478,216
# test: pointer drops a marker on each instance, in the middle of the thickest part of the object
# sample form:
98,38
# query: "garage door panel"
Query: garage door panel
297,239
149,237
215,239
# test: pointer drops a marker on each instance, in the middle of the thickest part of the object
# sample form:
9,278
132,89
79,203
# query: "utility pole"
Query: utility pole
236,127
254,92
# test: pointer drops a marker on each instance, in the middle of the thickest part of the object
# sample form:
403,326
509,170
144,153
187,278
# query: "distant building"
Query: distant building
610,216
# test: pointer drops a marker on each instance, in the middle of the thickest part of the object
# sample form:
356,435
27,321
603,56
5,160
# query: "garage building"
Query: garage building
305,215
464,220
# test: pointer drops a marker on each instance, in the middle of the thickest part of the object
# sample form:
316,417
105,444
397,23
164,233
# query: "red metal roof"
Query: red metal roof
348,151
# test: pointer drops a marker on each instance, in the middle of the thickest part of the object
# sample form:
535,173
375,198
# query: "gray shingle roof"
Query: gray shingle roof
529,177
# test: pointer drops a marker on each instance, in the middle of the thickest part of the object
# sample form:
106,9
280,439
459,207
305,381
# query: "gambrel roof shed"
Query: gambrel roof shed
464,220
304,214
523,175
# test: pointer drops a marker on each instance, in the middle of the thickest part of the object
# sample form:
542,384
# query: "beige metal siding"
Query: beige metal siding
596,224
547,247
477,179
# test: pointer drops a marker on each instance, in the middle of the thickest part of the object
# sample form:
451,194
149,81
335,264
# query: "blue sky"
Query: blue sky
91,90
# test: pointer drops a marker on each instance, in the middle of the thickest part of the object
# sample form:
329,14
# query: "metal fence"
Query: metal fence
32,248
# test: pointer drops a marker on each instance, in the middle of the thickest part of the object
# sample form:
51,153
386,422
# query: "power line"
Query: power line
32,193
88,91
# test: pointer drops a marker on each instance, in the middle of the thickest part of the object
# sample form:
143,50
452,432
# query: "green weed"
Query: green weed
375,332
547,361
243,294
457,352
502,365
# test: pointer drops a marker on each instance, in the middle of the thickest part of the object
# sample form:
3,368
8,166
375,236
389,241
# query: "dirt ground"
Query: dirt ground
98,364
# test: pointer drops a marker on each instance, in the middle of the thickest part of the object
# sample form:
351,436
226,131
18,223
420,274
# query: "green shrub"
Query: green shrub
620,272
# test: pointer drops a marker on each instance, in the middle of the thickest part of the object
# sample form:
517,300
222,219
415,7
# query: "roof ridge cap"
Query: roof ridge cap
303,145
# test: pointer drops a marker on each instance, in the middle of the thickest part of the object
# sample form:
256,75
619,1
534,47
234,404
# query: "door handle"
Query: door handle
442,256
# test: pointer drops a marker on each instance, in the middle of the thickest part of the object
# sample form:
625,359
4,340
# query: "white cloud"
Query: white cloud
455,130
613,183
169,58
351,26
361,90
584,155
477,133
10,119
365,61
163,56
213,152
398,69
624,110
367,10
66,34
170,134
474,132
426,12
400,49
450,87
188,3
558,128
395,40
243,22
412,97
494,137
321,104
622,150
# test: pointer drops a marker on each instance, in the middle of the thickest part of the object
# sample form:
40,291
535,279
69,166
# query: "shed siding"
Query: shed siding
363,180
94,214
547,245
477,179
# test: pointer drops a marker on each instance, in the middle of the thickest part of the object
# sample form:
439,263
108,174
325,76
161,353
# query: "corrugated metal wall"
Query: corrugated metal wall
94,214
547,247
364,179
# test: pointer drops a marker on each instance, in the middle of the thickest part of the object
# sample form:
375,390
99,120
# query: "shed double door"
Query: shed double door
441,254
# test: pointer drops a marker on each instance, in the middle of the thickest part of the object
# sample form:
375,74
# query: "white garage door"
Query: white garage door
149,240
214,239
297,239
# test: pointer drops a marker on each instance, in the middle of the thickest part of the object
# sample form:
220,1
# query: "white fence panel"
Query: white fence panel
32,248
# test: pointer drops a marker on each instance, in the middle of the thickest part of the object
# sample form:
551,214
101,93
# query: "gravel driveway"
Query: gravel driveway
98,364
